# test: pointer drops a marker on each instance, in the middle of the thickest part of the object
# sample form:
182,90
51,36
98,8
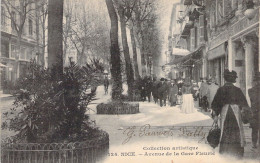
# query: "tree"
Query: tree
142,10
18,11
123,11
55,47
86,31
115,52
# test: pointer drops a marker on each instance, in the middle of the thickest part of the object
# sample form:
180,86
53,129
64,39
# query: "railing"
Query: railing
78,152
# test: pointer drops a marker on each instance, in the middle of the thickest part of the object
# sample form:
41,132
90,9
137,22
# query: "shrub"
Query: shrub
50,107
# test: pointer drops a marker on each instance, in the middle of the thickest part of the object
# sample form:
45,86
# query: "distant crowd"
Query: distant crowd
174,90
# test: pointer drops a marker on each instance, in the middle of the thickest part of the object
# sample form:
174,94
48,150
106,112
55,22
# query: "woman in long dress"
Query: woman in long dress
187,100
228,102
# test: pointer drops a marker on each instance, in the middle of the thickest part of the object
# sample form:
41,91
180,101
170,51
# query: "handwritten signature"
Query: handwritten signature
147,131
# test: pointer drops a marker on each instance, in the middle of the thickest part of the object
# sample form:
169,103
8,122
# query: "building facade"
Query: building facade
226,35
17,51
234,40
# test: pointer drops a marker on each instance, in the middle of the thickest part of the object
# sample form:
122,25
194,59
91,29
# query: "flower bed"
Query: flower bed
118,108
81,152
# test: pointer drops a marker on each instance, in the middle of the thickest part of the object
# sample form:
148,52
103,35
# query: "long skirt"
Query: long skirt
232,139
187,104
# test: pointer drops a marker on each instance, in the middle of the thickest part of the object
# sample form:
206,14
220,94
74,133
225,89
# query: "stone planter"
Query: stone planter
118,108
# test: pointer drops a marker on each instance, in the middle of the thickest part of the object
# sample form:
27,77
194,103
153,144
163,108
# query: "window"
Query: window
13,20
23,52
3,16
227,7
30,27
29,54
213,15
234,4
4,50
192,39
13,51
201,29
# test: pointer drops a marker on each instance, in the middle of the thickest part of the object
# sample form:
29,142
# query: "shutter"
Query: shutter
192,39
201,29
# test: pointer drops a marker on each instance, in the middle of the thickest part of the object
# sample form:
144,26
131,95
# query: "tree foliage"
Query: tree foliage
50,108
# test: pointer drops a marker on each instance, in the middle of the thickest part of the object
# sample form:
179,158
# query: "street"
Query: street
159,119
136,132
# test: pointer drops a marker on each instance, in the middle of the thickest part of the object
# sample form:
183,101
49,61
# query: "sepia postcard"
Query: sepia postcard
129,81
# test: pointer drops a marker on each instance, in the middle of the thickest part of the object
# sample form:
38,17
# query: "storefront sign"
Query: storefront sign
233,30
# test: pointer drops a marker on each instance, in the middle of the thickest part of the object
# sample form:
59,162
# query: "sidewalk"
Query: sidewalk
160,119
5,96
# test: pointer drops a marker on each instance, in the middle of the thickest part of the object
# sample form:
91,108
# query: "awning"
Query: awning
178,51
217,52
195,55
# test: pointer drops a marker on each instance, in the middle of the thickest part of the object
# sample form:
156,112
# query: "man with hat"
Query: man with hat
162,92
227,103
254,94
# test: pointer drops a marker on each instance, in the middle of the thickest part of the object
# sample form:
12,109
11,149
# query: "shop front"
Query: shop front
236,48
217,63
245,51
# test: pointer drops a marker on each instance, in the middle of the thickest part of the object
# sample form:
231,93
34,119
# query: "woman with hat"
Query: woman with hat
187,103
227,103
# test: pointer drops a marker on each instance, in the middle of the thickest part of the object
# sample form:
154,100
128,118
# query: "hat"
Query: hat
230,76
257,76
162,79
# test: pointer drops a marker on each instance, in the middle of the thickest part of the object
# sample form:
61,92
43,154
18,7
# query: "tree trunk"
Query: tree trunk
115,52
137,75
128,64
143,61
55,50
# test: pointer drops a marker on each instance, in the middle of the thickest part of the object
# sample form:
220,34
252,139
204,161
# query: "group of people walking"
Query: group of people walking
226,104
176,92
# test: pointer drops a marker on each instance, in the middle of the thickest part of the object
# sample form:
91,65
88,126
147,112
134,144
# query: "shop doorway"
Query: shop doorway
239,65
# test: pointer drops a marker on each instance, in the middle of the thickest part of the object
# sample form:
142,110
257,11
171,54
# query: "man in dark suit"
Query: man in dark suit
254,94
162,92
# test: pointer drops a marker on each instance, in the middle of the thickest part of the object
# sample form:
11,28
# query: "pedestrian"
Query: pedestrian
148,88
199,85
194,91
213,87
142,88
227,104
106,84
173,91
187,103
155,90
203,94
179,96
254,94
162,92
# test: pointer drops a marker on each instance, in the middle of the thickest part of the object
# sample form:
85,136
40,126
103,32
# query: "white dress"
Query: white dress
187,102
